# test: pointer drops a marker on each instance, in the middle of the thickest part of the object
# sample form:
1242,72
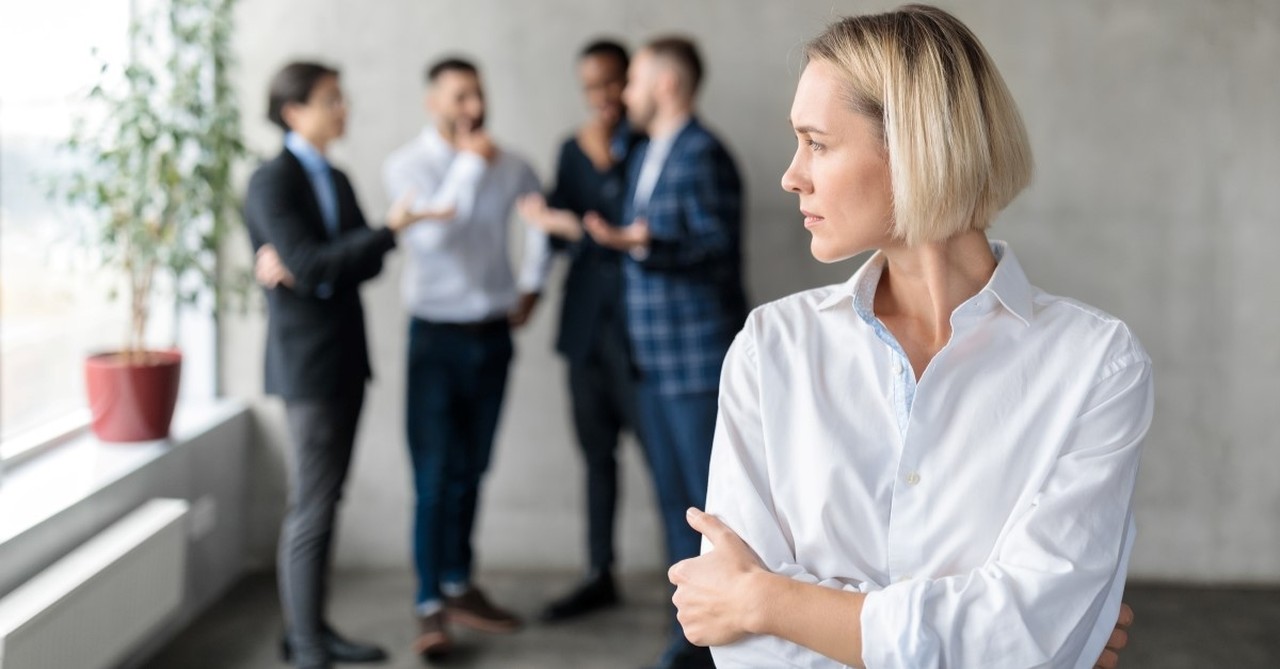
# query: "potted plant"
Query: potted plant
156,145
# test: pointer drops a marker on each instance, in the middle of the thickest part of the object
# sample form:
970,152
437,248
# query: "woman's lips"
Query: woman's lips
811,219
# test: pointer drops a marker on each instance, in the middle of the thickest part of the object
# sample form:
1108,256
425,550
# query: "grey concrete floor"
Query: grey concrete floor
1177,628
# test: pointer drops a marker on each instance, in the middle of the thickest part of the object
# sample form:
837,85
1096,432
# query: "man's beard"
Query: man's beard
640,118
477,124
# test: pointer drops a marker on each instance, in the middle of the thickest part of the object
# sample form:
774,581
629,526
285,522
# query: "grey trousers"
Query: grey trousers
323,434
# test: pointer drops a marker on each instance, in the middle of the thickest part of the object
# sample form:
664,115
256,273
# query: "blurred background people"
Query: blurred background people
463,299
681,231
313,251
592,335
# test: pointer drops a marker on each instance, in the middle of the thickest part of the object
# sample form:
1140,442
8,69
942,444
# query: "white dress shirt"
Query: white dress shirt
459,270
985,510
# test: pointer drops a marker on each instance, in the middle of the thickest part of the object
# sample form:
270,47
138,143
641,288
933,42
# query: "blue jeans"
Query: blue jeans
678,431
457,378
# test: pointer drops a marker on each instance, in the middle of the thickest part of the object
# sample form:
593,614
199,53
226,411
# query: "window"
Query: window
54,306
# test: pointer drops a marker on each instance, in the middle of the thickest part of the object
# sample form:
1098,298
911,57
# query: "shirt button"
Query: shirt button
913,478
897,366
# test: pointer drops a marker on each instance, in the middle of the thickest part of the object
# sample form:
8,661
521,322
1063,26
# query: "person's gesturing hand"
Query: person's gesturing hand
714,591
475,140
402,215
627,238
561,223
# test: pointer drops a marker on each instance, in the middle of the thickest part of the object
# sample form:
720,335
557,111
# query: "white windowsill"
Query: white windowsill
44,486
14,451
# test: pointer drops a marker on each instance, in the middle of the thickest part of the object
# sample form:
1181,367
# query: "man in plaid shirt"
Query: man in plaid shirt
682,231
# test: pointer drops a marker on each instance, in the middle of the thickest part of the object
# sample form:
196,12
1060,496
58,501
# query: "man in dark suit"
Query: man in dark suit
681,229
313,251
591,177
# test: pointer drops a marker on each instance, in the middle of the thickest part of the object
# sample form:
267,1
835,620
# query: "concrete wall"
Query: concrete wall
1155,124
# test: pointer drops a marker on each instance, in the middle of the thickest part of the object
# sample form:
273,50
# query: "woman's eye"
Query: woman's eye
814,145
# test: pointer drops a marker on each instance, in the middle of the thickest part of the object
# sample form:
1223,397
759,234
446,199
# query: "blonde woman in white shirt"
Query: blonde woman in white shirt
932,464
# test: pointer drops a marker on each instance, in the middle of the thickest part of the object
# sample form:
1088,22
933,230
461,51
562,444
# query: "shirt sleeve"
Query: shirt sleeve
712,206
457,187
535,263
1055,572
738,493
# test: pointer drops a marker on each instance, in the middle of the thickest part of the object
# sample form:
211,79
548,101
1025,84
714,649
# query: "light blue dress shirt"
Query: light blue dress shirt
320,175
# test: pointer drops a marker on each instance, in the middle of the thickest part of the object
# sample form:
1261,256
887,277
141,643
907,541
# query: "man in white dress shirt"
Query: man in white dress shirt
463,299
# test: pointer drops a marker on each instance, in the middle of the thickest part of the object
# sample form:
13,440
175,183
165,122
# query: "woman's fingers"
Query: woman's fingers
709,526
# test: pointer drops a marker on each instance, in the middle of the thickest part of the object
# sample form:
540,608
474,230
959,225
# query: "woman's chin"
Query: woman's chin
825,252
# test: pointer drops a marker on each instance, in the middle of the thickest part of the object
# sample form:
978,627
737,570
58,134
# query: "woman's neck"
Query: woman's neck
922,285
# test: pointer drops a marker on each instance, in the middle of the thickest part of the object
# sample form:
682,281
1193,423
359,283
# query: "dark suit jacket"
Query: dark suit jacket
685,300
316,342
593,286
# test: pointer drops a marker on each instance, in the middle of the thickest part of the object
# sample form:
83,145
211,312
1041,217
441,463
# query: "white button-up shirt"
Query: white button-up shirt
459,270
985,510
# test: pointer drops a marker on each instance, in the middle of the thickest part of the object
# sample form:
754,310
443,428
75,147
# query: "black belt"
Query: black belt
489,326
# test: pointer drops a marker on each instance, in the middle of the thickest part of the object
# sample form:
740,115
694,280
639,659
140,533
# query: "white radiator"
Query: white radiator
89,609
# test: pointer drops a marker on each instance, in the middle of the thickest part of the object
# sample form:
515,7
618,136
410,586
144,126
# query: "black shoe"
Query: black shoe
595,593
339,649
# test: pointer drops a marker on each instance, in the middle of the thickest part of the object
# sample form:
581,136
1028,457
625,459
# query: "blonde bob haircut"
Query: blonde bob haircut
958,152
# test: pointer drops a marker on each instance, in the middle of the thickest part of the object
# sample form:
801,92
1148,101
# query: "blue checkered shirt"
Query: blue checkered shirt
685,300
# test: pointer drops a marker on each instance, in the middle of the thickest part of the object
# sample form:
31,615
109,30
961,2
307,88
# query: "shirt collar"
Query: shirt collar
860,288
306,153
661,145
1008,284
435,142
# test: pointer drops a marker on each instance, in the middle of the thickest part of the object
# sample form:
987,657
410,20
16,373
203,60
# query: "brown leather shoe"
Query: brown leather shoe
472,609
433,640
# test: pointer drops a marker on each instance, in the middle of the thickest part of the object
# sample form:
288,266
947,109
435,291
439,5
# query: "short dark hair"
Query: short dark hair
450,64
608,48
294,83
682,53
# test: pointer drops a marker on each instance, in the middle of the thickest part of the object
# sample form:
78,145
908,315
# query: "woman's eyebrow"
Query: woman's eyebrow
808,130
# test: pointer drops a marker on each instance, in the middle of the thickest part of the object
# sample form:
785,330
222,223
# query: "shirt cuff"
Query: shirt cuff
891,635
530,284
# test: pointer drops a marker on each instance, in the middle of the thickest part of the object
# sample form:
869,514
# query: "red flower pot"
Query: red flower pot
132,395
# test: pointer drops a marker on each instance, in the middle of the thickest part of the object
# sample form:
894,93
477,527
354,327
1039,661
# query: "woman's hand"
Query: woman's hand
717,594
1110,658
